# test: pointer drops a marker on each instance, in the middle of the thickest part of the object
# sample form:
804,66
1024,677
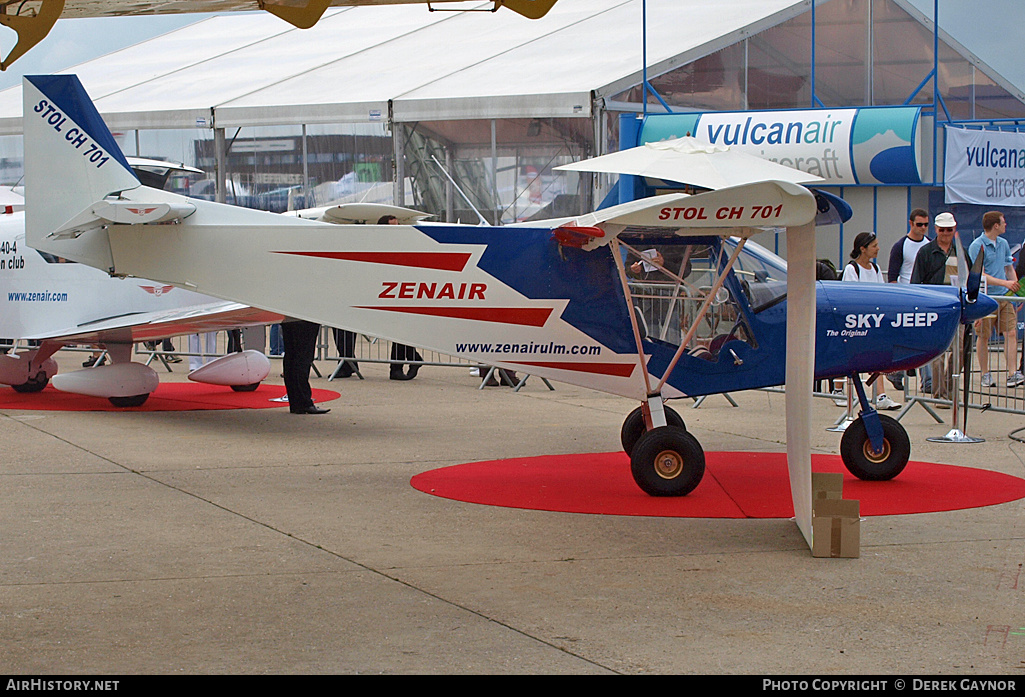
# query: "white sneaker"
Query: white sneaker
884,402
840,398
1015,379
987,380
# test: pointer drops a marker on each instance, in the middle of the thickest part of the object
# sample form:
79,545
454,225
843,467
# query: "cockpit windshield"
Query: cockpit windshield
762,274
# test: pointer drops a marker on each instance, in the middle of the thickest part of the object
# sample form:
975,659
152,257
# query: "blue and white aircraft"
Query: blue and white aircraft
654,299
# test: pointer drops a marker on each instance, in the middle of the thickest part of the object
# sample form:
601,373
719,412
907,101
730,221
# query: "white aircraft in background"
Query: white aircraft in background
57,302
32,20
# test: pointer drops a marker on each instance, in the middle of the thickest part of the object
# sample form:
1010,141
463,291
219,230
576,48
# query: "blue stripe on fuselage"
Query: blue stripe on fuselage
528,260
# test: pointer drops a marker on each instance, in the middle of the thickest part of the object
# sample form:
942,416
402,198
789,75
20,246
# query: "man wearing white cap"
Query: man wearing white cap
935,264
998,269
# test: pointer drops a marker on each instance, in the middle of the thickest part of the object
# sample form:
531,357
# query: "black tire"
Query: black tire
667,461
35,384
134,401
251,387
633,427
857,455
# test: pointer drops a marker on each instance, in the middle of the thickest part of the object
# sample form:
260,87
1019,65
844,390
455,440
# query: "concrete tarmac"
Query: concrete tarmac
261,542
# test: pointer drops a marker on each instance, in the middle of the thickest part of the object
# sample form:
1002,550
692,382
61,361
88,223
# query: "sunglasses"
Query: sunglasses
944,229
921,224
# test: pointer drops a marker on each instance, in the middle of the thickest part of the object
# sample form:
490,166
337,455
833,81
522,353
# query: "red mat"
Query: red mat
171,396
736,485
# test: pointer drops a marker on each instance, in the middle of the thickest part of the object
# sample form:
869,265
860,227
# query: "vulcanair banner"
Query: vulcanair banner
984,167
870,145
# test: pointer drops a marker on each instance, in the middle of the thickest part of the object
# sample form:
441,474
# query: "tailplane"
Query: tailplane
72,163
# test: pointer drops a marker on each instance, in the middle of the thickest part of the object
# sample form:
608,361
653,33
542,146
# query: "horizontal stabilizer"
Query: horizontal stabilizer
122,213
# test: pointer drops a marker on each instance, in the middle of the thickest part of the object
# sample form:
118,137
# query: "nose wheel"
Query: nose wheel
864,461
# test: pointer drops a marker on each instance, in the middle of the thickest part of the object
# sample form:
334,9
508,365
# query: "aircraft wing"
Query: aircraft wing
735,211
33,19
148,326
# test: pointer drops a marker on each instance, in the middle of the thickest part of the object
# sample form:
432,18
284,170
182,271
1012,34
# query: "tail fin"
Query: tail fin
71,163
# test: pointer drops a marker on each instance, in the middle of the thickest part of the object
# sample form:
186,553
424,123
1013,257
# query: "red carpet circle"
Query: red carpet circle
171,396
736,485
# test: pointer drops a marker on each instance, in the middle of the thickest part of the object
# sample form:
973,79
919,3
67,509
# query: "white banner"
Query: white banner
985,167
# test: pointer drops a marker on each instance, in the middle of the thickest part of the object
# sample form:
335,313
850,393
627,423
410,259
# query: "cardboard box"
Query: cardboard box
826,485
836,528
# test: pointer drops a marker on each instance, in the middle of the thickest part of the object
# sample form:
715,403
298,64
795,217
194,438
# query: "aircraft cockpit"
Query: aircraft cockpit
670,279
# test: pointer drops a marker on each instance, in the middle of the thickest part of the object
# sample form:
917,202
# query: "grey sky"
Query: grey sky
978,24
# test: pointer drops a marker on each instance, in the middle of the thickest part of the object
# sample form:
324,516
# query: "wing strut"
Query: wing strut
31,28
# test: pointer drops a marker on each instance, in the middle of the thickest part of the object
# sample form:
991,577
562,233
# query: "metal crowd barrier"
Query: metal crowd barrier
998,397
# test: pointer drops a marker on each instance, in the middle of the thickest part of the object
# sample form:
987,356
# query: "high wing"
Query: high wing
33,19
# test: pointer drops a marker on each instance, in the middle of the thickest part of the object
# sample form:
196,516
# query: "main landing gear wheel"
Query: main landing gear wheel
251,387
35,384
633,427
864,463
136,400
667,461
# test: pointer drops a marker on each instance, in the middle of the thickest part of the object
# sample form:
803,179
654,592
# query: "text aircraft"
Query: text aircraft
56,302
565,300
32,20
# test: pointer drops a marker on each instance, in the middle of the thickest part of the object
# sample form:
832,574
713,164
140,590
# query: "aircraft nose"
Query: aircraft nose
983,305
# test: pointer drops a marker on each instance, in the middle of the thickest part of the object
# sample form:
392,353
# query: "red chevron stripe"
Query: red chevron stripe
525,316
442,261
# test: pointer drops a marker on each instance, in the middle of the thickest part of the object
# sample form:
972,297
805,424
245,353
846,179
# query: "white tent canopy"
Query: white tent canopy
242,70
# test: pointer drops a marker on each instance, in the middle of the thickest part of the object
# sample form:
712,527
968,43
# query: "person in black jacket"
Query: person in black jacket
934,265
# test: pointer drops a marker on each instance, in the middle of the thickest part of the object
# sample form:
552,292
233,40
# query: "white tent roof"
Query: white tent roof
242,70
253,69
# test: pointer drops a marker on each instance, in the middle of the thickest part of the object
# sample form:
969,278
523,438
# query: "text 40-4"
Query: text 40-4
96,155
766,211
8,247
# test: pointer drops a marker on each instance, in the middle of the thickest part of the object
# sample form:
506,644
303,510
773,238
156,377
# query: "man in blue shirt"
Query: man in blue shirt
998,270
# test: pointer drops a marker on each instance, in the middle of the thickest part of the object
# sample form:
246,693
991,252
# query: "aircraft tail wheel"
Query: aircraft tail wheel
864,463
246,388
35,384
136,400
633,427
667,461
